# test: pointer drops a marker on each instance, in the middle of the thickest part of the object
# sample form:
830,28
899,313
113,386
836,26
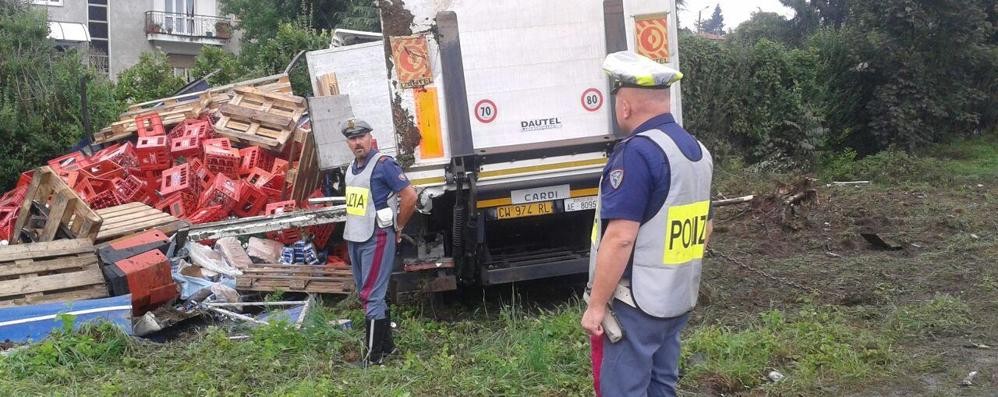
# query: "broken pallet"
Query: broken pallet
305,176
51,210
132,218
63,270
314,279
254,117
169,114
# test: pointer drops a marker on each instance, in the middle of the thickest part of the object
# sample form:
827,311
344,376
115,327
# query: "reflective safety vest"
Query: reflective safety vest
668,250
361,213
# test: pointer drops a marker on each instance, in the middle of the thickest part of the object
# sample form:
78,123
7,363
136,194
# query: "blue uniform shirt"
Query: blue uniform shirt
386,179
636,178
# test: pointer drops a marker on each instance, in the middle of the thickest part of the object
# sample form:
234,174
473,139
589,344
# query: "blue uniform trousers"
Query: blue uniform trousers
371,263
645,362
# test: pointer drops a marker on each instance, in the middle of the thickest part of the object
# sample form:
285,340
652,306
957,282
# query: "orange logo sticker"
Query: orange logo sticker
652,35
412,62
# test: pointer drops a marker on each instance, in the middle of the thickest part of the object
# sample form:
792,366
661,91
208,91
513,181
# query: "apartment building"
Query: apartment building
117,32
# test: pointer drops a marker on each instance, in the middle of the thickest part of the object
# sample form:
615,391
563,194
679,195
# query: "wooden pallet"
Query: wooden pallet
63,270
314,279
305,177
51,210
132,218
220,95
170,114
254,117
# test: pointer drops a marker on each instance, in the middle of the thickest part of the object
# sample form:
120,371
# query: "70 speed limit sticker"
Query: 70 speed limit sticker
592,99
486,111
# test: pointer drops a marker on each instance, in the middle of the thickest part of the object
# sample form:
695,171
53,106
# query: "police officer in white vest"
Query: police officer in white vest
380,201
652,223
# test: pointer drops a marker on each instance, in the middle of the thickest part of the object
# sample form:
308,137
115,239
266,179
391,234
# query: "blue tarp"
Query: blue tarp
35,322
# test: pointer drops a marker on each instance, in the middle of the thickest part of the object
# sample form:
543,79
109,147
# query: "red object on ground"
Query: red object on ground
286,236
153,153
251,202
262,179
208,214
149,280
25,178
177,204
223,143
186,147
320,233
226,161
66,163
280,167
103,199
103,169
130,189
149,125
123,155
175,179
223,191
192,128
255,156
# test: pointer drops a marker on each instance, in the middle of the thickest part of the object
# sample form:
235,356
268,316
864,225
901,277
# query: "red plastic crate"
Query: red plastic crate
280,167
187,147
177,204
255,156
149,125
251,201
71,178
68,162
192,128
130,189
103,169
149,280
208,214
226,161
153,153
103,199
25,178
223,191
123,155
258,177
223,143
286,236
202,176
175,179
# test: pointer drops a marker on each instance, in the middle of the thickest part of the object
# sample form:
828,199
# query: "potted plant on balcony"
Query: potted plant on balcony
223,30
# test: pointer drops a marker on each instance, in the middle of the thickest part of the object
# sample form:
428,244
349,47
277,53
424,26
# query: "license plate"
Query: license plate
524,210
580,204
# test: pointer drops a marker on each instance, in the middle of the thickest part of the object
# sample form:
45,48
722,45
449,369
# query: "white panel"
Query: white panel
361,73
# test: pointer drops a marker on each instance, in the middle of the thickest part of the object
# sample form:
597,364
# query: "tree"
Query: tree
272,56
151,78
714,25
763,25
225,66
258,19
40,109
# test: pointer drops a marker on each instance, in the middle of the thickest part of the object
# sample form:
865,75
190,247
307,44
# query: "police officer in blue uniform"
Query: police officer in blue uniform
651,228
380,201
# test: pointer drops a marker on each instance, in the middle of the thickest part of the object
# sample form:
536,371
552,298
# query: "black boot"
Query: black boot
376,341
388,343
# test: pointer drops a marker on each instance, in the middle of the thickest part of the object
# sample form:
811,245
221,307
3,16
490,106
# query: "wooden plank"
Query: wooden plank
89,276
11,253
69,262
147,214
135,227
88,292
295,269
56,211
111,211
257,116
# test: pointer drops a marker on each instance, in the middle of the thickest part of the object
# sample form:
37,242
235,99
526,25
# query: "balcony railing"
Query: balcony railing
188,25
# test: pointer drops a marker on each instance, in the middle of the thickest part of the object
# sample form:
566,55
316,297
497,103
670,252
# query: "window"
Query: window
57,3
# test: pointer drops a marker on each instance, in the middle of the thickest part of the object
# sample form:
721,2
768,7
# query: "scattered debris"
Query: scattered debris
832,254
732,201
974,236
969,380
973,345
851,183
775,376
879,242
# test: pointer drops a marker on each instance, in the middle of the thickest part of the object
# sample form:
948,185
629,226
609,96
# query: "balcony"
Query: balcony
165,27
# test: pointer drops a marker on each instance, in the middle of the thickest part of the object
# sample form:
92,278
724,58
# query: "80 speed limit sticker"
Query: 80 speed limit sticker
592,99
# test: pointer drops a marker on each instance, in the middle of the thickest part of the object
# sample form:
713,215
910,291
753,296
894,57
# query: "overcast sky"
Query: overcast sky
734,11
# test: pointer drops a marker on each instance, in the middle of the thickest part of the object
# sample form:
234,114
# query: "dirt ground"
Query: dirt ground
946,244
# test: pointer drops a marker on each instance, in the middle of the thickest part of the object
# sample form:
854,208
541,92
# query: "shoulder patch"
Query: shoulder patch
616,177
403,178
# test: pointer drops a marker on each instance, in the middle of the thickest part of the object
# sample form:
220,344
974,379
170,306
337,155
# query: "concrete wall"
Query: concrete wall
126,33
69,11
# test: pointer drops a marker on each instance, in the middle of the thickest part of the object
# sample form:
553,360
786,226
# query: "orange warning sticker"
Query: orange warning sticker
651,32
412,62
